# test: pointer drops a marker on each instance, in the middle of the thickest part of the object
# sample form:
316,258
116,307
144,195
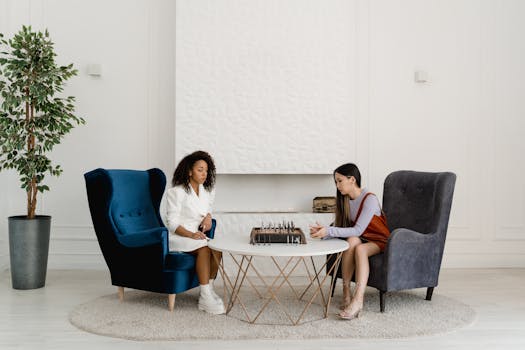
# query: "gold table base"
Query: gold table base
232,287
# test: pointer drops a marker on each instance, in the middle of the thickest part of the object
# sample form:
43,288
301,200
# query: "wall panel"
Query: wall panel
505,54
428,126
268,86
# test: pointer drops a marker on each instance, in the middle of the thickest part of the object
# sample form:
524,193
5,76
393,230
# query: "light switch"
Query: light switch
420,76
94,69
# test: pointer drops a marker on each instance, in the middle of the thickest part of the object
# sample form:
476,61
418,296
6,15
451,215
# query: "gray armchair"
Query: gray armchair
417,206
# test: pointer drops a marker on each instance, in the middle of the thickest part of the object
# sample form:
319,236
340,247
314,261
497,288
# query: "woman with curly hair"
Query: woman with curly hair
189,204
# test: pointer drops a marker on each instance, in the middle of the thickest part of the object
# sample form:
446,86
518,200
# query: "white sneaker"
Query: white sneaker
210,305
215,296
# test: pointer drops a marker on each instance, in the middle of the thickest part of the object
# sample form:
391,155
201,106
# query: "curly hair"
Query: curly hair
181,176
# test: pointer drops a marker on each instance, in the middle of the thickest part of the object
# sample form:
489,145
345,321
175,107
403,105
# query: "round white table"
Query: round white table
242,253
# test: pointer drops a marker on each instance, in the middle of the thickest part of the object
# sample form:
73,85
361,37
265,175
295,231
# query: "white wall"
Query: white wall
129,109
466,119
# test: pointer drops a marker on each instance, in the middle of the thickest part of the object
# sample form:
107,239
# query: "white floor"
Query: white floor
38,318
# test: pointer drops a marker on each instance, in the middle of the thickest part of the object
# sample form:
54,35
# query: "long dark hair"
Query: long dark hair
181,176
342,209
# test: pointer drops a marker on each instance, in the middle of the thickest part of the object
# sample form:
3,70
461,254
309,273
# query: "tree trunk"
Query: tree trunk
32,190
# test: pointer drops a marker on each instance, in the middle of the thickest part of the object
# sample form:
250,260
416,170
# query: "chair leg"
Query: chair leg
171,301
332,284
121,293
430,290
382,301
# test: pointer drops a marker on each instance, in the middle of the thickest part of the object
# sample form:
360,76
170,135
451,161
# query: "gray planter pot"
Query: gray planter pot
28,250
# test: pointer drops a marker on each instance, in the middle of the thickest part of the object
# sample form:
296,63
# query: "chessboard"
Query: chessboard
266,235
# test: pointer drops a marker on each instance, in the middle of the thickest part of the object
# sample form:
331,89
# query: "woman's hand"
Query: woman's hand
206,223
317,231
198,235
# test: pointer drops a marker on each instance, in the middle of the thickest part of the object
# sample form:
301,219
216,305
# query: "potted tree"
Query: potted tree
33,119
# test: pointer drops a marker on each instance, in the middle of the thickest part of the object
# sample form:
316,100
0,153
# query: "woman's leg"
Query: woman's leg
216,257
202,265
348,267
207,300
362,253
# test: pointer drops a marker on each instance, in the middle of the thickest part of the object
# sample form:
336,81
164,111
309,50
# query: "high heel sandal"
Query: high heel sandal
354,309
350,313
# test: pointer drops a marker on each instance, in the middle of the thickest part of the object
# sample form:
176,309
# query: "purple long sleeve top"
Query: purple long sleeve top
371,207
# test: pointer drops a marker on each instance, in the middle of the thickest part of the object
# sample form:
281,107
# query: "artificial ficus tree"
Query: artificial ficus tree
33,119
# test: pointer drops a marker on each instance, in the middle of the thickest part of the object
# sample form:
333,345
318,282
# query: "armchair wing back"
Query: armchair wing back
136,200
417,206
419,201
124,206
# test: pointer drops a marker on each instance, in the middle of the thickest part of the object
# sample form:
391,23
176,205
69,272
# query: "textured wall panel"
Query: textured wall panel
266,86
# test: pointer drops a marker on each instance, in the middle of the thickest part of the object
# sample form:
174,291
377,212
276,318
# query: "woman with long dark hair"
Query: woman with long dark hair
189,204
360,220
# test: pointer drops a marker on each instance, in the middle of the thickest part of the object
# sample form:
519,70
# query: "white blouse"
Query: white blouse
187,210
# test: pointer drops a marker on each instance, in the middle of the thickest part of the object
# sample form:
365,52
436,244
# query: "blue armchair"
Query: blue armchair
124,206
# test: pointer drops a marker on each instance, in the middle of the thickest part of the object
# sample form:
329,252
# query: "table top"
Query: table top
240,244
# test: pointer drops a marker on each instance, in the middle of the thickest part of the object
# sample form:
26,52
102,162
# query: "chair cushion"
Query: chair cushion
180,261
409,201
131,206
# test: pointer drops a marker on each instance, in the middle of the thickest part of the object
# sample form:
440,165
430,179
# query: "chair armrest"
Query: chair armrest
413,259
403,242
211,232
157,235
402,236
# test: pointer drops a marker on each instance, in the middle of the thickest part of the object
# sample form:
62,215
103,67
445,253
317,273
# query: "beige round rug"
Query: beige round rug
144,316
